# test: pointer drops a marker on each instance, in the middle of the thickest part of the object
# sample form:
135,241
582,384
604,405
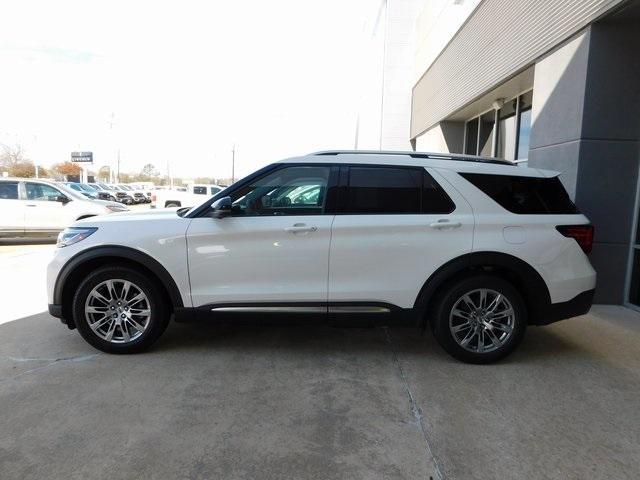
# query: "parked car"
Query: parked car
90,192
121,195
31,207
475,249
143,189
91,195
138,197
187,197
103,194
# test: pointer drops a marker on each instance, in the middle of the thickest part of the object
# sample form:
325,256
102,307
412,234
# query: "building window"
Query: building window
510,138
507,130
524,125
471,142
487,134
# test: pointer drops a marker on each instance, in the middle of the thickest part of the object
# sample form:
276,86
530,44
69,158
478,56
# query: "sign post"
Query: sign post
82,157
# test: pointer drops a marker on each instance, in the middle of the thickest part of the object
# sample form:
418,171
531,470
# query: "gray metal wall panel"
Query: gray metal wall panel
499,39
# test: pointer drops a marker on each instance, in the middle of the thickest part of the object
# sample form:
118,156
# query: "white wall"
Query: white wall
437,23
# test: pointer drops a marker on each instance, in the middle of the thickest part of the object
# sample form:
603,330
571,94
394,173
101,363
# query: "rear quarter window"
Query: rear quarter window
524,195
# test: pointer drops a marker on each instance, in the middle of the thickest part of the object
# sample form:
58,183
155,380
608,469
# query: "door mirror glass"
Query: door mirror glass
221,208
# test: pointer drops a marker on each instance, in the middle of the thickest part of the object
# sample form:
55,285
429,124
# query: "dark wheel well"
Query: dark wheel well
74,279
84,216
518,273
170,203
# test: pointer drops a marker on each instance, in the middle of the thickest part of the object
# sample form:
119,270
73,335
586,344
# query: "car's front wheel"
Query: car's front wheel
118,310
479,319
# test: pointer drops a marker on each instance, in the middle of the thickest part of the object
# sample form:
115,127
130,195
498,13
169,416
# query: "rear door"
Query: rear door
11,208
394,227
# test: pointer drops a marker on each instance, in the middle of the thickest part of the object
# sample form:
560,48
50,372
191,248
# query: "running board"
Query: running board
303,309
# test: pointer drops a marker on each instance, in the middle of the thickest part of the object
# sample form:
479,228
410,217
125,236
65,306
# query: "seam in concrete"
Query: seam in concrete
416,411
52,361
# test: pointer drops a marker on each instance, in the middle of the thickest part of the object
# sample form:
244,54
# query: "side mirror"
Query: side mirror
62,199
221,207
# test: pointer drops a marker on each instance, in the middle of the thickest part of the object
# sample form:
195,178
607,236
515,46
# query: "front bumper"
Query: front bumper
55,310
554,312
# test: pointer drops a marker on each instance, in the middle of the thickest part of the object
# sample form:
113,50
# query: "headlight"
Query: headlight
117,208
72,235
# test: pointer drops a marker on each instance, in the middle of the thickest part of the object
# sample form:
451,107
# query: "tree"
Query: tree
11,155
149,173
104,173
67,168
24,169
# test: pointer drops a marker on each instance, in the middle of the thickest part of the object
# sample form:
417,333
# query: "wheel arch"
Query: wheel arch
78,266
523,276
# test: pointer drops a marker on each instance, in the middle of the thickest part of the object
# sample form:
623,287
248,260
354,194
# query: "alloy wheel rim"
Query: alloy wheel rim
117,311
482,320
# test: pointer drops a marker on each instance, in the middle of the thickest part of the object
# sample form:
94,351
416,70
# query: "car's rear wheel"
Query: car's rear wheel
479,319
171,204
117,310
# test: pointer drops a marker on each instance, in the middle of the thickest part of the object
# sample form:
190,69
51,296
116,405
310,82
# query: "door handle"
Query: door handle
31,205
300,228
442,224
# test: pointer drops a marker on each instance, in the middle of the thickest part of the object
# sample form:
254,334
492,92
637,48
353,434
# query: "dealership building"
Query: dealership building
553,84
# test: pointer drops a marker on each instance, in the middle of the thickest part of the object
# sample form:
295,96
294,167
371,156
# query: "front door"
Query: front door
273,250
43,210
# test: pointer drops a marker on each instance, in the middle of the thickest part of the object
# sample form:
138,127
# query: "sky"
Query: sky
178,83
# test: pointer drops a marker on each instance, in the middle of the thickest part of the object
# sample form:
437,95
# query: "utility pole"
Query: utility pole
118,174
233,164
111,124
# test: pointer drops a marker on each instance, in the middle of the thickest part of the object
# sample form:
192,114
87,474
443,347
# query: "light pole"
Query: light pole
233,164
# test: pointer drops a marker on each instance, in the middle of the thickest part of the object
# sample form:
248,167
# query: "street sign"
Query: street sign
82,157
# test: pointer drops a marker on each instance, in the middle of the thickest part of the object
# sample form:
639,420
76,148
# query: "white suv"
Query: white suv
30,207
475,248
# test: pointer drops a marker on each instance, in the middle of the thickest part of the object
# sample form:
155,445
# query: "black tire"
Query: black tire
158,319
440,321
171,204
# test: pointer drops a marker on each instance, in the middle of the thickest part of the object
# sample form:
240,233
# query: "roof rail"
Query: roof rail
434,156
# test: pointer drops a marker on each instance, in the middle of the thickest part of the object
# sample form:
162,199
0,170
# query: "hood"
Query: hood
136,215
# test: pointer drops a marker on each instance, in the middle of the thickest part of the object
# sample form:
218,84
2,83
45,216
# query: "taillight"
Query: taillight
153,198
583,234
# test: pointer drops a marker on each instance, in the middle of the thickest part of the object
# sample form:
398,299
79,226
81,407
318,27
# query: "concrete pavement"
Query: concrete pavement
315,402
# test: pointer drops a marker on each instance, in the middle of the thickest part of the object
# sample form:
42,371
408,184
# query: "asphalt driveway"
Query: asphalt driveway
307,401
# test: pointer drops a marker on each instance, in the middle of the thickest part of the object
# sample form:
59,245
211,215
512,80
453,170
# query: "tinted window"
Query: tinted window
384,190
525,195
39,191
200,190
434,198
9,190
287,191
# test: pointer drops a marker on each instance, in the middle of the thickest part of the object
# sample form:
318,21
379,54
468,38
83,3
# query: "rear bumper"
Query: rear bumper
554,312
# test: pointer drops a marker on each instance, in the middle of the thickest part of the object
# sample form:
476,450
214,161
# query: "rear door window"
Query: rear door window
9,190
394,190
525,195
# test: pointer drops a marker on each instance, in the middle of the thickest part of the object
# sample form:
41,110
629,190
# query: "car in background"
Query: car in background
190,197
138,196
121,195
33,207
103,194
144,189
89,192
